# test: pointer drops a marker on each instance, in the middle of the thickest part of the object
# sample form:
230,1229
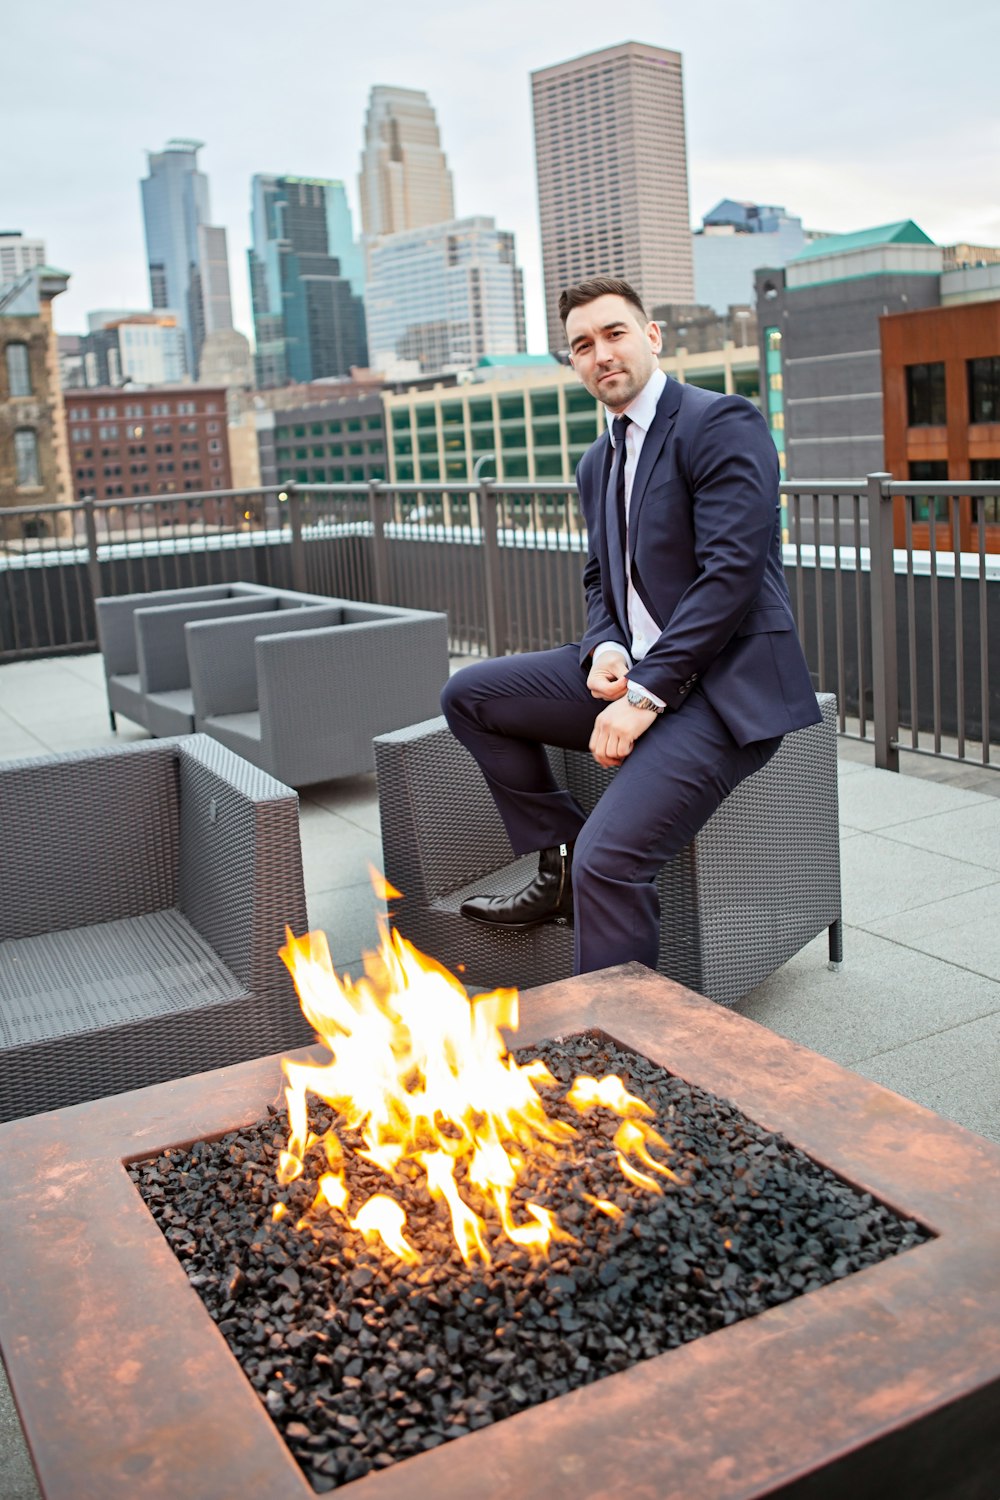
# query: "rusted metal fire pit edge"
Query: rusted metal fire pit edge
125,1386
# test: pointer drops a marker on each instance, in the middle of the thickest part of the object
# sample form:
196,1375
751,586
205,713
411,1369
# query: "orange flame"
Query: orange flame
421,1071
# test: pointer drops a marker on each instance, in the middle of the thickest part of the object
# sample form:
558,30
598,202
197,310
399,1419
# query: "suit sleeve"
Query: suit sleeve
734,479
601,627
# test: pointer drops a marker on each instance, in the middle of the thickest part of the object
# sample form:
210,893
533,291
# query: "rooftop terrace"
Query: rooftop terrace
916,1006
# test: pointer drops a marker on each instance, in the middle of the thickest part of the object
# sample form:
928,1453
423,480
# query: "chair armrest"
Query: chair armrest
240,868
440,828
90,836
115,625
221,658
159,636
350,682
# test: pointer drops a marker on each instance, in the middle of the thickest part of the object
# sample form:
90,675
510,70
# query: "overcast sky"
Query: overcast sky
850,114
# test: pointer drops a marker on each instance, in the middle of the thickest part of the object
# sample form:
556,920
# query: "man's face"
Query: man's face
613,353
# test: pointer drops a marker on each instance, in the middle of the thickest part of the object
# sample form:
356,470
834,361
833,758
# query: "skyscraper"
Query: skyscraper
444,295
612,174
404,181
188,263
306,280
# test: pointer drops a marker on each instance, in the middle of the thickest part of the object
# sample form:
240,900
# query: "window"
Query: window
108,432
545,404
451,414
988,469
545,434
925,405
984,390
26,458
18,371
214,445
512,408
929,469
480,411
400,420
426,416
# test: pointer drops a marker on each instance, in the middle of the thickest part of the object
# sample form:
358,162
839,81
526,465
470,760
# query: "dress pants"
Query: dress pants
507,709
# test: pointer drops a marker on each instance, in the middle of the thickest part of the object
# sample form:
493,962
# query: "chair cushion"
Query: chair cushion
239,732
113,973
170,713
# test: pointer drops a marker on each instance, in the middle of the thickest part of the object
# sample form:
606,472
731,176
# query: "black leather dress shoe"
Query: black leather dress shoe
548,896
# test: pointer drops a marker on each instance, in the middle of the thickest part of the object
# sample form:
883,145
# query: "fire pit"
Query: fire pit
886,1377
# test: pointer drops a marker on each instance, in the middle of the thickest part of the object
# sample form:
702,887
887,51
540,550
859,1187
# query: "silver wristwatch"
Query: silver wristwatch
639,700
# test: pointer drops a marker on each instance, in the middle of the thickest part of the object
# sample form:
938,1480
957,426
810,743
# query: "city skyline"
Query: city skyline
875,123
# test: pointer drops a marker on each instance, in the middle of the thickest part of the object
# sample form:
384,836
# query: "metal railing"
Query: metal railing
894,617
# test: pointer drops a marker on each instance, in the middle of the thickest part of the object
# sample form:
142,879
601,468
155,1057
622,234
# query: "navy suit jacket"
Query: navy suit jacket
705,551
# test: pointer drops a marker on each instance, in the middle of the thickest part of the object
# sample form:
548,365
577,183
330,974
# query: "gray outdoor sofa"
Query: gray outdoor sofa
759,881
144,891
301,693
142,642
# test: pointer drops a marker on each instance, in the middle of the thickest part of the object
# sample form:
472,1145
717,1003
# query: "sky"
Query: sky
849,114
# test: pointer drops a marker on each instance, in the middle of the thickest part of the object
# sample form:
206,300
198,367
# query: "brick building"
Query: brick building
139,442
941,384
33,462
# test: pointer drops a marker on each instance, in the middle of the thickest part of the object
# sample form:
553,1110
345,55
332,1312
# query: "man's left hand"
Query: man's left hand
616,730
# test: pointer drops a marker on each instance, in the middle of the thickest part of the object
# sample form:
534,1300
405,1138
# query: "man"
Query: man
690,670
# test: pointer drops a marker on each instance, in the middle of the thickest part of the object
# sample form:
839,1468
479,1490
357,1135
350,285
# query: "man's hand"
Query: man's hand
616,730
608,677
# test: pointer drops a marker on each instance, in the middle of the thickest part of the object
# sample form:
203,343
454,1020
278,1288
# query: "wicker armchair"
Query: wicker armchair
302,693
136,664
760,881
144,891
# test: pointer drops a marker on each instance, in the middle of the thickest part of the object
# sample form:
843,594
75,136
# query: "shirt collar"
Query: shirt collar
642,410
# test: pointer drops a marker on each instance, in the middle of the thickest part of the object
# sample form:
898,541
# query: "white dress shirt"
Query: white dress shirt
643,629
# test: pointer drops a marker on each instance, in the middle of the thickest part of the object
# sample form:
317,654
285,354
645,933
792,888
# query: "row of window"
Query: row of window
348,424
510,408
926,392
137,409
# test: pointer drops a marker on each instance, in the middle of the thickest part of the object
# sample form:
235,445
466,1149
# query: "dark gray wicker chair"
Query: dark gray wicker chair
130,669
144,891
760,881
302,693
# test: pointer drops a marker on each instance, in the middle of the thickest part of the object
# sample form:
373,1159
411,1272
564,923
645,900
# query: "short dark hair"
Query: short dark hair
599,286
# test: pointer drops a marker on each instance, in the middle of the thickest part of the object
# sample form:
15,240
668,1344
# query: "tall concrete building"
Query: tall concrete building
612,174
819,322
305,281
404,181
18,255
734,239
443,296
188,261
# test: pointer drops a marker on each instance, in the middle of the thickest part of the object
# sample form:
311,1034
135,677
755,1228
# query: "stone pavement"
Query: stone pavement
916,1006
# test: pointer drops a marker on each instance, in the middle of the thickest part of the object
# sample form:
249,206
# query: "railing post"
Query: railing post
377,500
496,620
90,532
299,581
885,665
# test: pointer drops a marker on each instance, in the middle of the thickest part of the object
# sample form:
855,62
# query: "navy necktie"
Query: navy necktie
618,427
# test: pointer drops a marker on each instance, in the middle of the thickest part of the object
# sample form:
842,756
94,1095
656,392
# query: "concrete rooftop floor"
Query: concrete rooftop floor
916,1006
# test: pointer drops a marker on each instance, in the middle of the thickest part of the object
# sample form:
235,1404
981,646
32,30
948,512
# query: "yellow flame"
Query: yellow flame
383,1218
382,887
421,1072
588,1093
611,1209
635,1140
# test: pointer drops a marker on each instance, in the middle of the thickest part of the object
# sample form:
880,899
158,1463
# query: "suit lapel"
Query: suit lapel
653,445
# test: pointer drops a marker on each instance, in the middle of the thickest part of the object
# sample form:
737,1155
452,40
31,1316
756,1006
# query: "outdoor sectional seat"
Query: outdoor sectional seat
302,693
759,881
117,637
144,891
164,676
